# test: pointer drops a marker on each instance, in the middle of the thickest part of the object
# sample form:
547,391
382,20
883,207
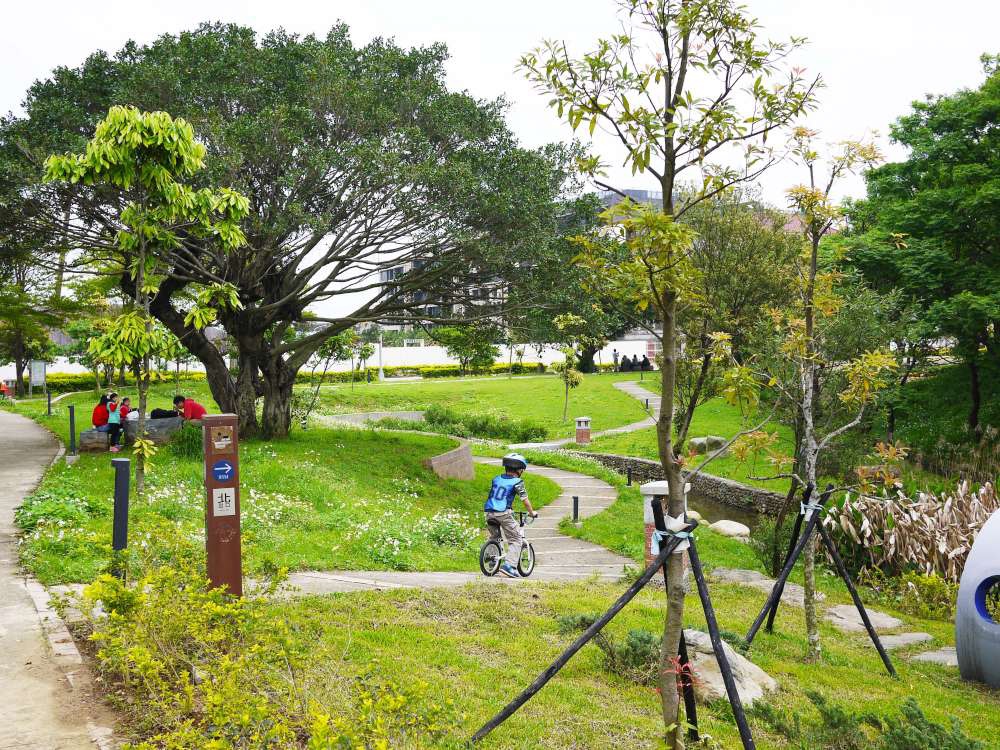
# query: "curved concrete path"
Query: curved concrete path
45,697
558,557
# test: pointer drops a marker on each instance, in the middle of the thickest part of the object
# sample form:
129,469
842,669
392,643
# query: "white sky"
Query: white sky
875,56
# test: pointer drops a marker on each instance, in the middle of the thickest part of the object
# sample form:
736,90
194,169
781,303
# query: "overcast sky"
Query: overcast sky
875,56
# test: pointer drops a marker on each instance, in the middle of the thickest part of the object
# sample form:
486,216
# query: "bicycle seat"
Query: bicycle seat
492,522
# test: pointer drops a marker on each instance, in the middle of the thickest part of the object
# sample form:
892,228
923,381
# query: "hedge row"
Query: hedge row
62,382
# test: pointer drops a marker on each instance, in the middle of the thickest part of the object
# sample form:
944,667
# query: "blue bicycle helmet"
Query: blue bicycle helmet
515,461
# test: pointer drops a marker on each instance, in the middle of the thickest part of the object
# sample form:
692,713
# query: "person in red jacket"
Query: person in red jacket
99,417
189,409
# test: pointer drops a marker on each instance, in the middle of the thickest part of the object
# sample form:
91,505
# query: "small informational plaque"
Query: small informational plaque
224,501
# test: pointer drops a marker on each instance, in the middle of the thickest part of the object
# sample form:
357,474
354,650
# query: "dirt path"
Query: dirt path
45,698
558,557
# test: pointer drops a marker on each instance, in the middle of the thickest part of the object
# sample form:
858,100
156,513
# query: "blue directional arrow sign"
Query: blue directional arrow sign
222,471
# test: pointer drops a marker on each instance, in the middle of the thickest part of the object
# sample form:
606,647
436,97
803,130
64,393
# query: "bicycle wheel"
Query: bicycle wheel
526,563
490,557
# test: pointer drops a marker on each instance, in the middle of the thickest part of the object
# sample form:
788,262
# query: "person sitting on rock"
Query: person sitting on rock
189,409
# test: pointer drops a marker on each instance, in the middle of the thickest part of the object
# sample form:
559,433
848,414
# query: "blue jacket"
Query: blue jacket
502,493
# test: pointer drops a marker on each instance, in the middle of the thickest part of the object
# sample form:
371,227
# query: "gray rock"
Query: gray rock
902,640
695,515
158,430
731,528
845,618
946,656
752,682
793,593
706,444
92,440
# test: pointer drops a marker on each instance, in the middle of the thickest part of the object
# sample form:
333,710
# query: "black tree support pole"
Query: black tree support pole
119,530
580,642
796,530
687,687
48,401
72,430
690,706
720,652
787,570
841,568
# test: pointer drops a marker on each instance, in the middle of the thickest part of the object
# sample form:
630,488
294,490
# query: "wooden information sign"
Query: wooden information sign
220,436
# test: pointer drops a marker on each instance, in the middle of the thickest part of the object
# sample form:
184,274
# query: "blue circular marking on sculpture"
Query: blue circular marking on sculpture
981,591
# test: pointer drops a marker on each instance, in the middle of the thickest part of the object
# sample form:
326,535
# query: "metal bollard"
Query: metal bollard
628,476
647,404
119,532
72,430
48,401
576,508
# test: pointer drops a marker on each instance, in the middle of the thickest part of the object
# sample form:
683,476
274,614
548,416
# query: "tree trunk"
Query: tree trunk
585,360
19,366
278,381
975,394
566,400
673,619
685,425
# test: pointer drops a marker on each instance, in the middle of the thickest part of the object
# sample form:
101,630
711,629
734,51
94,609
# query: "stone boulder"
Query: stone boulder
158,430
733,529
92,440
695,515
752,682
706,444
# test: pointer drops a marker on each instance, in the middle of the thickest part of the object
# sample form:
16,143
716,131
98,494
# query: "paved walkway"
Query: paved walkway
558,557
42,705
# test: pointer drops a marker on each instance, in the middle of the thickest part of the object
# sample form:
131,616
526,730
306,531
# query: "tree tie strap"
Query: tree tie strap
659,536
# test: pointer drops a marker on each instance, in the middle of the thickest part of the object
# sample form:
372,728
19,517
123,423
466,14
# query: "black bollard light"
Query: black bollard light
48,401
628,476
119,529
576,508
72,430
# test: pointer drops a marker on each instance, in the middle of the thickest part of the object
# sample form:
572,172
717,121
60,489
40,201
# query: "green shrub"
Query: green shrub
765,535
66,382
923,595
835,728
442,419
636,659
195,668
187,442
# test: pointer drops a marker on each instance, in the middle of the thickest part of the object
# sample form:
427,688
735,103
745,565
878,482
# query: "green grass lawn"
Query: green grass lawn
714,417
480,647
322,499
535,398
329,498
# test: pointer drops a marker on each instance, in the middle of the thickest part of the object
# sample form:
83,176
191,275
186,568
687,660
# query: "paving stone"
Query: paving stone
847,619
946,656
793,593
902,640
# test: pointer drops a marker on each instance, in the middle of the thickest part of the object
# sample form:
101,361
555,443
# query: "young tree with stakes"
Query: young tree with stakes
688,89
798,368
142,159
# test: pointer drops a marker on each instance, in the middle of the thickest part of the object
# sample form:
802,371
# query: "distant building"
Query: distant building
651,197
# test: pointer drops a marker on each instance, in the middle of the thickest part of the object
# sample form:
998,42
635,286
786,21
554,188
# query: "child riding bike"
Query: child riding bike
498,509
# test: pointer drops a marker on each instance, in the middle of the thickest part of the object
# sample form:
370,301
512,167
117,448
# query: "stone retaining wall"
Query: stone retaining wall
711,487
453,464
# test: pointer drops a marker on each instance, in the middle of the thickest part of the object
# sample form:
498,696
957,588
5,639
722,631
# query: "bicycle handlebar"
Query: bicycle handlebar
524,517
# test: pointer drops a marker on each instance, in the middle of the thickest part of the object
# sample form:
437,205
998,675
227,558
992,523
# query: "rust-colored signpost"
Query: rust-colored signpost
222,508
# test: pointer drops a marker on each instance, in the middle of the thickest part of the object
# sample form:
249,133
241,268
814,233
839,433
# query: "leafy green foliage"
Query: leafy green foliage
488,425
766,535
474,346
636,658
837,729
199,669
